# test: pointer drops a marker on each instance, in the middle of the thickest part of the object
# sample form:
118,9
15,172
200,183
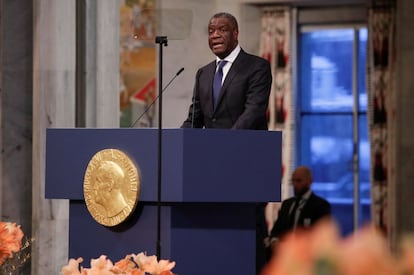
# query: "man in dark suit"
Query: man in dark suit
232,92
301,211
246,79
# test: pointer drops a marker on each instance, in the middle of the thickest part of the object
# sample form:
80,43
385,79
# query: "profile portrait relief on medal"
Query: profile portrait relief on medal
111,187
109,181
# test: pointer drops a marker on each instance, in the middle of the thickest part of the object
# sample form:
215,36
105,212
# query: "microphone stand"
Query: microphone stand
162,41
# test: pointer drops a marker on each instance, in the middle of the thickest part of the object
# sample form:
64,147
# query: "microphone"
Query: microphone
152,103
192,111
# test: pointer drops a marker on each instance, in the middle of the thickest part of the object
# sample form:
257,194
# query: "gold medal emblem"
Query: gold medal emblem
111,187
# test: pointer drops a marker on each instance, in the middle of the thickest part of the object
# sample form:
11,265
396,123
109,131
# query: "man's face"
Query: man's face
301,182
103,187
222,36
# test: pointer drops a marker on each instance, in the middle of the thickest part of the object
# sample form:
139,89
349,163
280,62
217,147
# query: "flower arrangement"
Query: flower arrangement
13,252
321,251
132,264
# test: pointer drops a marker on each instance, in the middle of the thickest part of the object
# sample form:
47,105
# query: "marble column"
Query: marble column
102,83
54,59
404,141
54,99
16,112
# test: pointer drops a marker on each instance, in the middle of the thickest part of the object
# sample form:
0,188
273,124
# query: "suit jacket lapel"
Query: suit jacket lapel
211,73
233,72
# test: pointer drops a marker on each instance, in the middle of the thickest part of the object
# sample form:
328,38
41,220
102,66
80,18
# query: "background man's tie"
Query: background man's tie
218,78
292,216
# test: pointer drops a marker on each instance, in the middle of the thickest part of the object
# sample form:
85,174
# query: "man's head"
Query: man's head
108,182
223,34
301,180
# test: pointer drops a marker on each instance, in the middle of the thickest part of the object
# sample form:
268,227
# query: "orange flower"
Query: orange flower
10,240
146,263
164,267
72,268
126,266
307,252
293,256
151,265
321,251
100,266
366,252
132,264
407,258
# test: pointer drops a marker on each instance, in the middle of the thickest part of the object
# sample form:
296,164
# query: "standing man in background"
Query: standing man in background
232,92
301,211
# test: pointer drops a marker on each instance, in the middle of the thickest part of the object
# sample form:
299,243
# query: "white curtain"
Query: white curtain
275,46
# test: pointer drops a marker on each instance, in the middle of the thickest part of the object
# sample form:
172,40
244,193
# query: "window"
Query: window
333,128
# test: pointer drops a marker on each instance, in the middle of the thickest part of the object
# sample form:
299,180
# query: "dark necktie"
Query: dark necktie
218,78
293,213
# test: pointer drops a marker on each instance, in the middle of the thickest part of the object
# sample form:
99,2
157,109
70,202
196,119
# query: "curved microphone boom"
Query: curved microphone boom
192,111
152,103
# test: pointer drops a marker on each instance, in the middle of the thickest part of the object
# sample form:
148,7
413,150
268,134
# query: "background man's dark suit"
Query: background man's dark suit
243,100
313,210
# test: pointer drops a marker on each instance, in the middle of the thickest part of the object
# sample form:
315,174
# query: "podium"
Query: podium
211,182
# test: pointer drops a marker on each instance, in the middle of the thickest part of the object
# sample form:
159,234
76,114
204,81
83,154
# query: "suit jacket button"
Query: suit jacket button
214,119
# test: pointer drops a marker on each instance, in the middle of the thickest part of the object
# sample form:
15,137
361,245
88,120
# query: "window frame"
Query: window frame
340,17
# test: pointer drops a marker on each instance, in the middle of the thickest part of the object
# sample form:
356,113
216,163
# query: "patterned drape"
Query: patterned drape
381,110
275,39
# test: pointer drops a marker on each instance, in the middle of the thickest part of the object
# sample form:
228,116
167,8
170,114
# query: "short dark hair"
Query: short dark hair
230,17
